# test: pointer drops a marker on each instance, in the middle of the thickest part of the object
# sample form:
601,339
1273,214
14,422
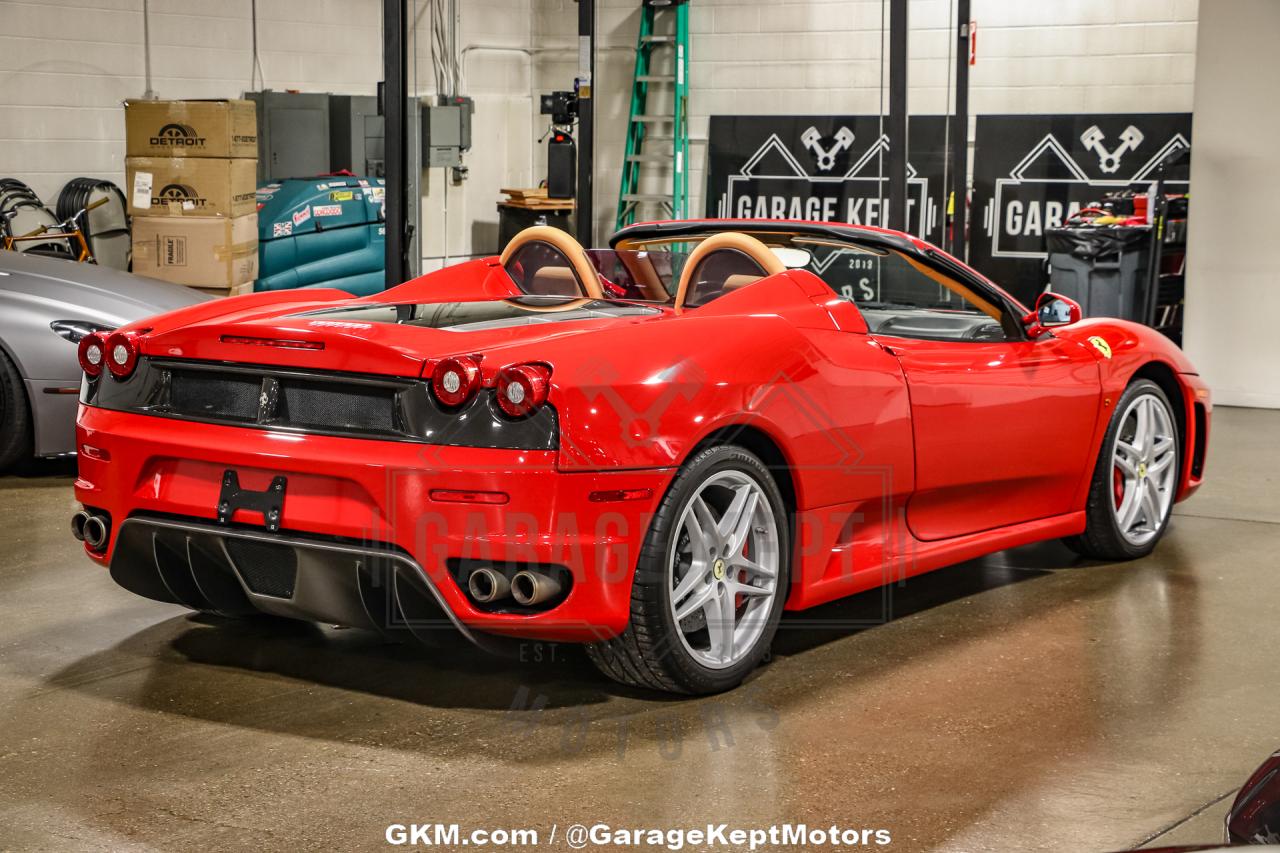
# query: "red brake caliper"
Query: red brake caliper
1117,485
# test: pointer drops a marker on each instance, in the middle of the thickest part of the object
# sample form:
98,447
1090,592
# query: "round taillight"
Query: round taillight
121,353
92,352
523,388
454,380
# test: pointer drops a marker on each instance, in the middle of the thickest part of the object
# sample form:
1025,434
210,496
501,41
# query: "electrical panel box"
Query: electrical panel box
293,134
357,137
446,131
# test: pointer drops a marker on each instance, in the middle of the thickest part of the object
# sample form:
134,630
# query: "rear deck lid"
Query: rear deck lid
393,339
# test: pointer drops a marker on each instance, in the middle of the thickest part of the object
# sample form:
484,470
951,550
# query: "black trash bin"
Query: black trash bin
1105,269
512,219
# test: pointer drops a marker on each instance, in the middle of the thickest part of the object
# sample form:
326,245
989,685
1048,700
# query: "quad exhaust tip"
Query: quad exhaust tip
92,530
530,588
95,533
486,585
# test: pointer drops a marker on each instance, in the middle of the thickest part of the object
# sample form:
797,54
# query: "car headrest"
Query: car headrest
555,281
739,281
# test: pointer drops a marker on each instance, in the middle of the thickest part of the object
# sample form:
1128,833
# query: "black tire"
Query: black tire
15,416
1102,539
649,653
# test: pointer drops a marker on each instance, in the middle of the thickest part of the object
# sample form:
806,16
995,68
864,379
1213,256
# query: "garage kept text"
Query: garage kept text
824,168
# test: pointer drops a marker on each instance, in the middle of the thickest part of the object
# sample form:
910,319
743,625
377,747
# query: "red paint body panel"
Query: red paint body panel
903,455
1000,431
1135,348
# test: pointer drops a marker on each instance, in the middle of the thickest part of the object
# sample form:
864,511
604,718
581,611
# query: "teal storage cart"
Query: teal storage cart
322,232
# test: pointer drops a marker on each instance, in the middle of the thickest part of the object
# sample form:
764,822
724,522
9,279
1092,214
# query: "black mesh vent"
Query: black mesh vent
267,569
331,405
214,395
322,405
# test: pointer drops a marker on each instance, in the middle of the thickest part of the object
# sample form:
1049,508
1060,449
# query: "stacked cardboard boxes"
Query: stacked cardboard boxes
191,169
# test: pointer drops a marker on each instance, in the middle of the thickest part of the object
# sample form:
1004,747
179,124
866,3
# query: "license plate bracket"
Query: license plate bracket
270,503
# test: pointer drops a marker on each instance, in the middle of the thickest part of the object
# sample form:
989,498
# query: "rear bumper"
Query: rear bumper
352,501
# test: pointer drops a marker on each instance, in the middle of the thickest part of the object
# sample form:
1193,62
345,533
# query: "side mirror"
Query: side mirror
1052,309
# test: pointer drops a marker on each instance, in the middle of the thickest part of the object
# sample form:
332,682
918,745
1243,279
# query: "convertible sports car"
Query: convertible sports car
651,449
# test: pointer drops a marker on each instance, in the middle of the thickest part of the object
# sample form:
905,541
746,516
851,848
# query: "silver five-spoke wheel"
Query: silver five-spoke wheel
1144,469
723,569
711,578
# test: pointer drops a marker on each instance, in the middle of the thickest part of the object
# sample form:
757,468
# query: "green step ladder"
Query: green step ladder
658,139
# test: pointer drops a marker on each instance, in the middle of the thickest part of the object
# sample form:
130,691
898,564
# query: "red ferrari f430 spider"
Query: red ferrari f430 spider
650,449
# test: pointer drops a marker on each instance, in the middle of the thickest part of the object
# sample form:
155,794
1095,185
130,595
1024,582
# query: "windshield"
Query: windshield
885,279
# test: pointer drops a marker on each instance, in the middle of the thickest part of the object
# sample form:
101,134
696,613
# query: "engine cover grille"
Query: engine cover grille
284,399
213,395
321,404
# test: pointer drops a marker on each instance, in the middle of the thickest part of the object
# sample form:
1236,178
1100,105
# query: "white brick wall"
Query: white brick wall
495,37
65,65
823,56
1232,297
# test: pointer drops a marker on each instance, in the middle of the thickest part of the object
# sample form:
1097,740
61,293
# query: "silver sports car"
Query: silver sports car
46,306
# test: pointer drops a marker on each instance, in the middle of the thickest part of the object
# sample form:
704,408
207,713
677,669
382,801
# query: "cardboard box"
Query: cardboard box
222,292
215,128
190,186
197,251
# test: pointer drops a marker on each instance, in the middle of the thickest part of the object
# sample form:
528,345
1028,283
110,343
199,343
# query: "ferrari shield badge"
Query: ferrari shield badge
1101,346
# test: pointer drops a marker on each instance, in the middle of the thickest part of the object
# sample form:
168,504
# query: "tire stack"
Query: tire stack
29,214
106,228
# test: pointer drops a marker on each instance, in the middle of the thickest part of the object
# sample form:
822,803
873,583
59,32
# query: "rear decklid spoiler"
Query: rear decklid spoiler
395,339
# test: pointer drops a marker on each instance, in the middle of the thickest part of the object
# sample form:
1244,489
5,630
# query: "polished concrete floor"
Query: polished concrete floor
1026,701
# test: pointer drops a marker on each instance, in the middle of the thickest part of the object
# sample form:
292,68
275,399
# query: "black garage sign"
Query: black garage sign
825,168
1031,172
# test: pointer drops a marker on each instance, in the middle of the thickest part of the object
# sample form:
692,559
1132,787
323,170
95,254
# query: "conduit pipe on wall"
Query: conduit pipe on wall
149,94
